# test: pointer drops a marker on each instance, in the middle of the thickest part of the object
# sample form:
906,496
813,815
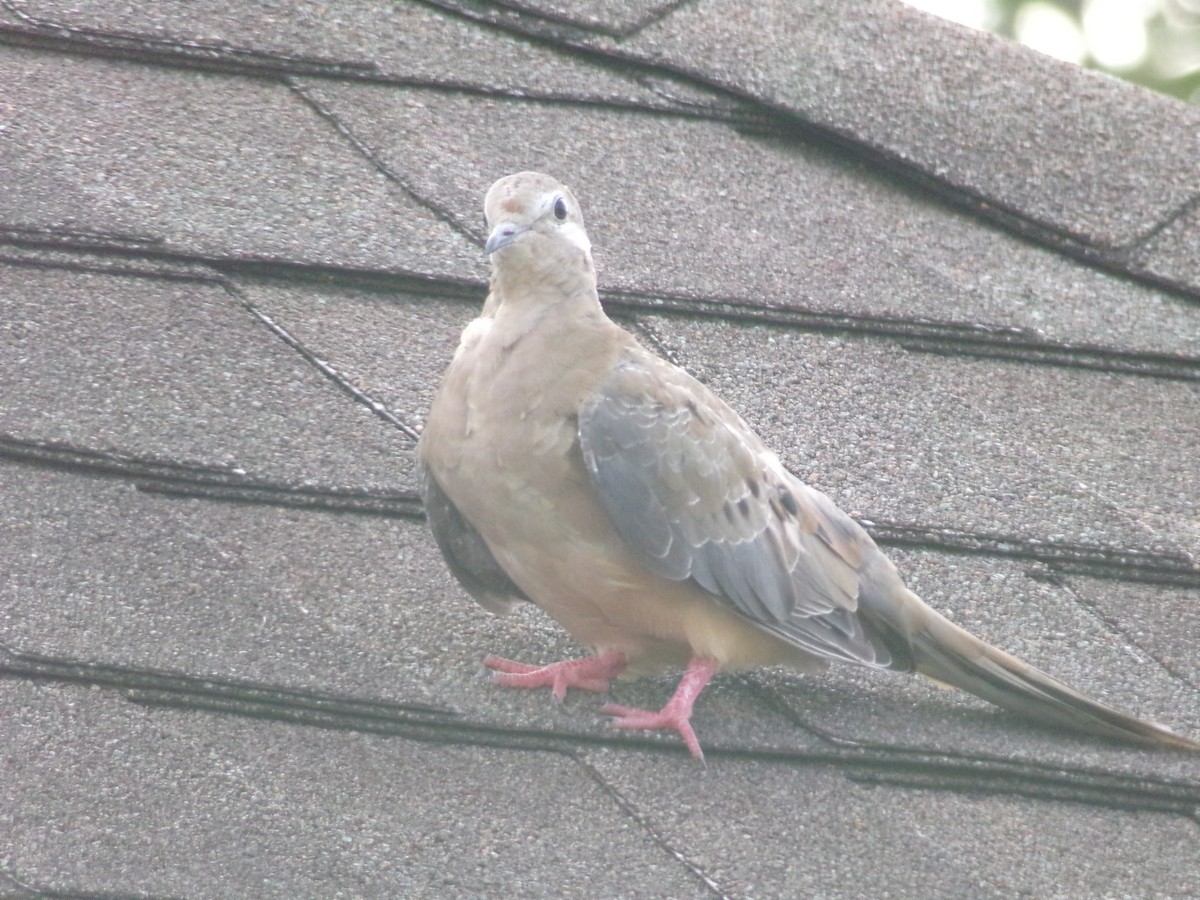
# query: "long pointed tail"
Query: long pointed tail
945,652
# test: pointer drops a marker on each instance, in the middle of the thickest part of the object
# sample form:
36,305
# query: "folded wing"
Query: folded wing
695,493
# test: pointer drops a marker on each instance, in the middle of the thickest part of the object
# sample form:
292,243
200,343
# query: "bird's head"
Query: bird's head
535,225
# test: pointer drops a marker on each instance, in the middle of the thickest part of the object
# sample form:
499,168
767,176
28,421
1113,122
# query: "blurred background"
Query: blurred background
1155,43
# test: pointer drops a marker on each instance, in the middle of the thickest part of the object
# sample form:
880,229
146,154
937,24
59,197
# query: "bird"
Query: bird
564,464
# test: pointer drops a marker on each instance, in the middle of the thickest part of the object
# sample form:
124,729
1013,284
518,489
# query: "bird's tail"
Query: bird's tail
947,653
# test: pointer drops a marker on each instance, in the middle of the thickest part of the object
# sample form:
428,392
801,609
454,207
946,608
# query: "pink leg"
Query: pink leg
677,713
593,673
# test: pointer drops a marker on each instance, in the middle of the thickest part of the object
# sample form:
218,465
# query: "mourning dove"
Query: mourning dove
564,464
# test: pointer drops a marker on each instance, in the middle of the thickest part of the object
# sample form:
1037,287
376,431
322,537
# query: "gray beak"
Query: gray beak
503,235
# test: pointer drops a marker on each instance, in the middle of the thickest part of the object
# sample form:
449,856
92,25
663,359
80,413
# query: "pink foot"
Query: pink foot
677,714
592,673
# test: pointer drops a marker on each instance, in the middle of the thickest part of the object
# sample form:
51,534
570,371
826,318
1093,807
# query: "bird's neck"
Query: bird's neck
530,294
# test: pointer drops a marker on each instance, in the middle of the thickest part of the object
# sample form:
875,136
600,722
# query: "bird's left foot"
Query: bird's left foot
676,715
593,673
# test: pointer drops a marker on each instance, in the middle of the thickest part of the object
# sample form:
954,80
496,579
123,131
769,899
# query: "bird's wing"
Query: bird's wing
696,495
466,553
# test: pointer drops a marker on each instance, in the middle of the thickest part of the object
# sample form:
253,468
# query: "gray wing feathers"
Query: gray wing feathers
623,469
467,554
697,496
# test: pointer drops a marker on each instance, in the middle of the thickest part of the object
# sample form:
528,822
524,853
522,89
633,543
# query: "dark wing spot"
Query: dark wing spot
755,490
788,501
744,507
695,411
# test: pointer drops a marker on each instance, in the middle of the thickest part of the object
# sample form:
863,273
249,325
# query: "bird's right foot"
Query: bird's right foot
592,673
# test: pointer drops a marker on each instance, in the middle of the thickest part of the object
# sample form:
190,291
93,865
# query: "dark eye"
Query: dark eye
560,209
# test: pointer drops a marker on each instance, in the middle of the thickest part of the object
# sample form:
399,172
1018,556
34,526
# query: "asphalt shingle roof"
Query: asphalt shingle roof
954,283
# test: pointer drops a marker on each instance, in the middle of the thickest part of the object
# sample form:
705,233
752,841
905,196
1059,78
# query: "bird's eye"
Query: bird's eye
560,209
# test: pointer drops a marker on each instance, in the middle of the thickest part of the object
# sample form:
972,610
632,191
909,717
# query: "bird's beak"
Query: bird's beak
503,235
